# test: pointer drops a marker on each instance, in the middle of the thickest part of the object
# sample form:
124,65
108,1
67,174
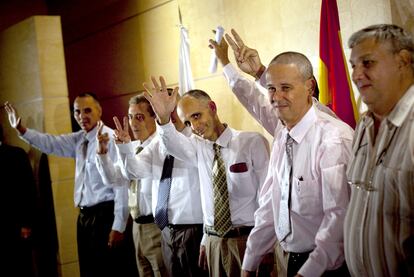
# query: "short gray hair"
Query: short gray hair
298,59
198,94
140,98
397,36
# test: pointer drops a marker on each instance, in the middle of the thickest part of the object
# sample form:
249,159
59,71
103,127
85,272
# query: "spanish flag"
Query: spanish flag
334,83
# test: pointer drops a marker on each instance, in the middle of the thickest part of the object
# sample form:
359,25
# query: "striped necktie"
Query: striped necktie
222,215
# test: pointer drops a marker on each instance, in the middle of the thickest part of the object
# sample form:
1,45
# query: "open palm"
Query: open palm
14,118
163,103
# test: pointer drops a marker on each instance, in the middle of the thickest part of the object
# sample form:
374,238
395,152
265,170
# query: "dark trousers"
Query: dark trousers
17,258
96,259
296,260
180,247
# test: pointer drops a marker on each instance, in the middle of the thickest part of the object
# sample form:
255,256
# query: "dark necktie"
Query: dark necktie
161,210
222,215
284,224
81,178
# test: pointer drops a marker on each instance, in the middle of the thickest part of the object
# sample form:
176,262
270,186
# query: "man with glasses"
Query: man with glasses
379,225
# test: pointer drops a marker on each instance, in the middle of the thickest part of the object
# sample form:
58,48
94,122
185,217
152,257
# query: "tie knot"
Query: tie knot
139,149
289,148
289,140
216,148
85,141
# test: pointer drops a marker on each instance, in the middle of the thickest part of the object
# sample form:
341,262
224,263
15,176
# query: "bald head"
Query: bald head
298,59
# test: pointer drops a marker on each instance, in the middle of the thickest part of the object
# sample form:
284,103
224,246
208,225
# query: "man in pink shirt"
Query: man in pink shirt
306,196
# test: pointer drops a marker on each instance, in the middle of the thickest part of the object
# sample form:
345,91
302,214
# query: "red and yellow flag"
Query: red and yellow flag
334,82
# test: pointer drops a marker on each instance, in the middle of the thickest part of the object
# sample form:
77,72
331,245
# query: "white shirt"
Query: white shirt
113,174
184,204
248,149
94,191
319,194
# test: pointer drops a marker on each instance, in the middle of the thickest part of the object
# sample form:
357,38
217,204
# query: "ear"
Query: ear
310,86
405,58
212,106
99,110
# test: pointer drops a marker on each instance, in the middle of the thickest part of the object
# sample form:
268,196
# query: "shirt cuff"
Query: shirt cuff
251,262
126,148
29,134
311,269
119,225
103,158
230,72
262,80
203,240
166,128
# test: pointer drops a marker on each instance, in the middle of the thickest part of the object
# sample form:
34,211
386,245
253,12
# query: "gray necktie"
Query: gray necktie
134,192
284,224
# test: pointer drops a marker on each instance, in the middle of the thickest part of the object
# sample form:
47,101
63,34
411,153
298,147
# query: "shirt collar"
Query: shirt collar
224,139
148,140
187,131
91,135
299,131
400,112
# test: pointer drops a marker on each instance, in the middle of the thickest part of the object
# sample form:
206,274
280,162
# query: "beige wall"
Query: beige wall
112,46
141,38
33,78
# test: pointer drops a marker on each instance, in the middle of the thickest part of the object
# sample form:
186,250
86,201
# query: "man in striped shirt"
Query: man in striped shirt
379,225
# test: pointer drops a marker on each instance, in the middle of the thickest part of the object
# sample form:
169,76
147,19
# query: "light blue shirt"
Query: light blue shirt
89,189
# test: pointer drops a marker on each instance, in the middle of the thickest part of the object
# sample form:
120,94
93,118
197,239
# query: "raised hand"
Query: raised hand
247,58
103,139
161,101
14,118
121,133
221,50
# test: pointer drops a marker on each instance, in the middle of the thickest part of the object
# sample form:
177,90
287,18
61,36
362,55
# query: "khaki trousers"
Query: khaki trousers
147,241
225,255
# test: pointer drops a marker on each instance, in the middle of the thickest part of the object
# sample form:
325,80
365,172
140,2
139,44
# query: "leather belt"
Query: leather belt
144,219
233,233
106,205
295,262
183,226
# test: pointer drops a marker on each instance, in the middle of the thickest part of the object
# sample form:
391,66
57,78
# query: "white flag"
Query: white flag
213,60
186,82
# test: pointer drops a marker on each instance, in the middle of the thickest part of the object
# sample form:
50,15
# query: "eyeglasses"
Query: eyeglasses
367,186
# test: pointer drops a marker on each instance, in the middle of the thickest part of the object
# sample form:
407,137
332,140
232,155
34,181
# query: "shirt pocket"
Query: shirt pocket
305,196
397,186
241,184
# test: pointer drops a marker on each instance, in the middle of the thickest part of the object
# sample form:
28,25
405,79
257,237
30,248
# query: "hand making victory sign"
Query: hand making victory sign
122,131
247,59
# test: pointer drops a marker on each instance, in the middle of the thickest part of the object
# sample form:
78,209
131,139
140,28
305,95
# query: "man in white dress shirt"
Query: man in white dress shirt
241,161
307,196
181,236
146,234
103,212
